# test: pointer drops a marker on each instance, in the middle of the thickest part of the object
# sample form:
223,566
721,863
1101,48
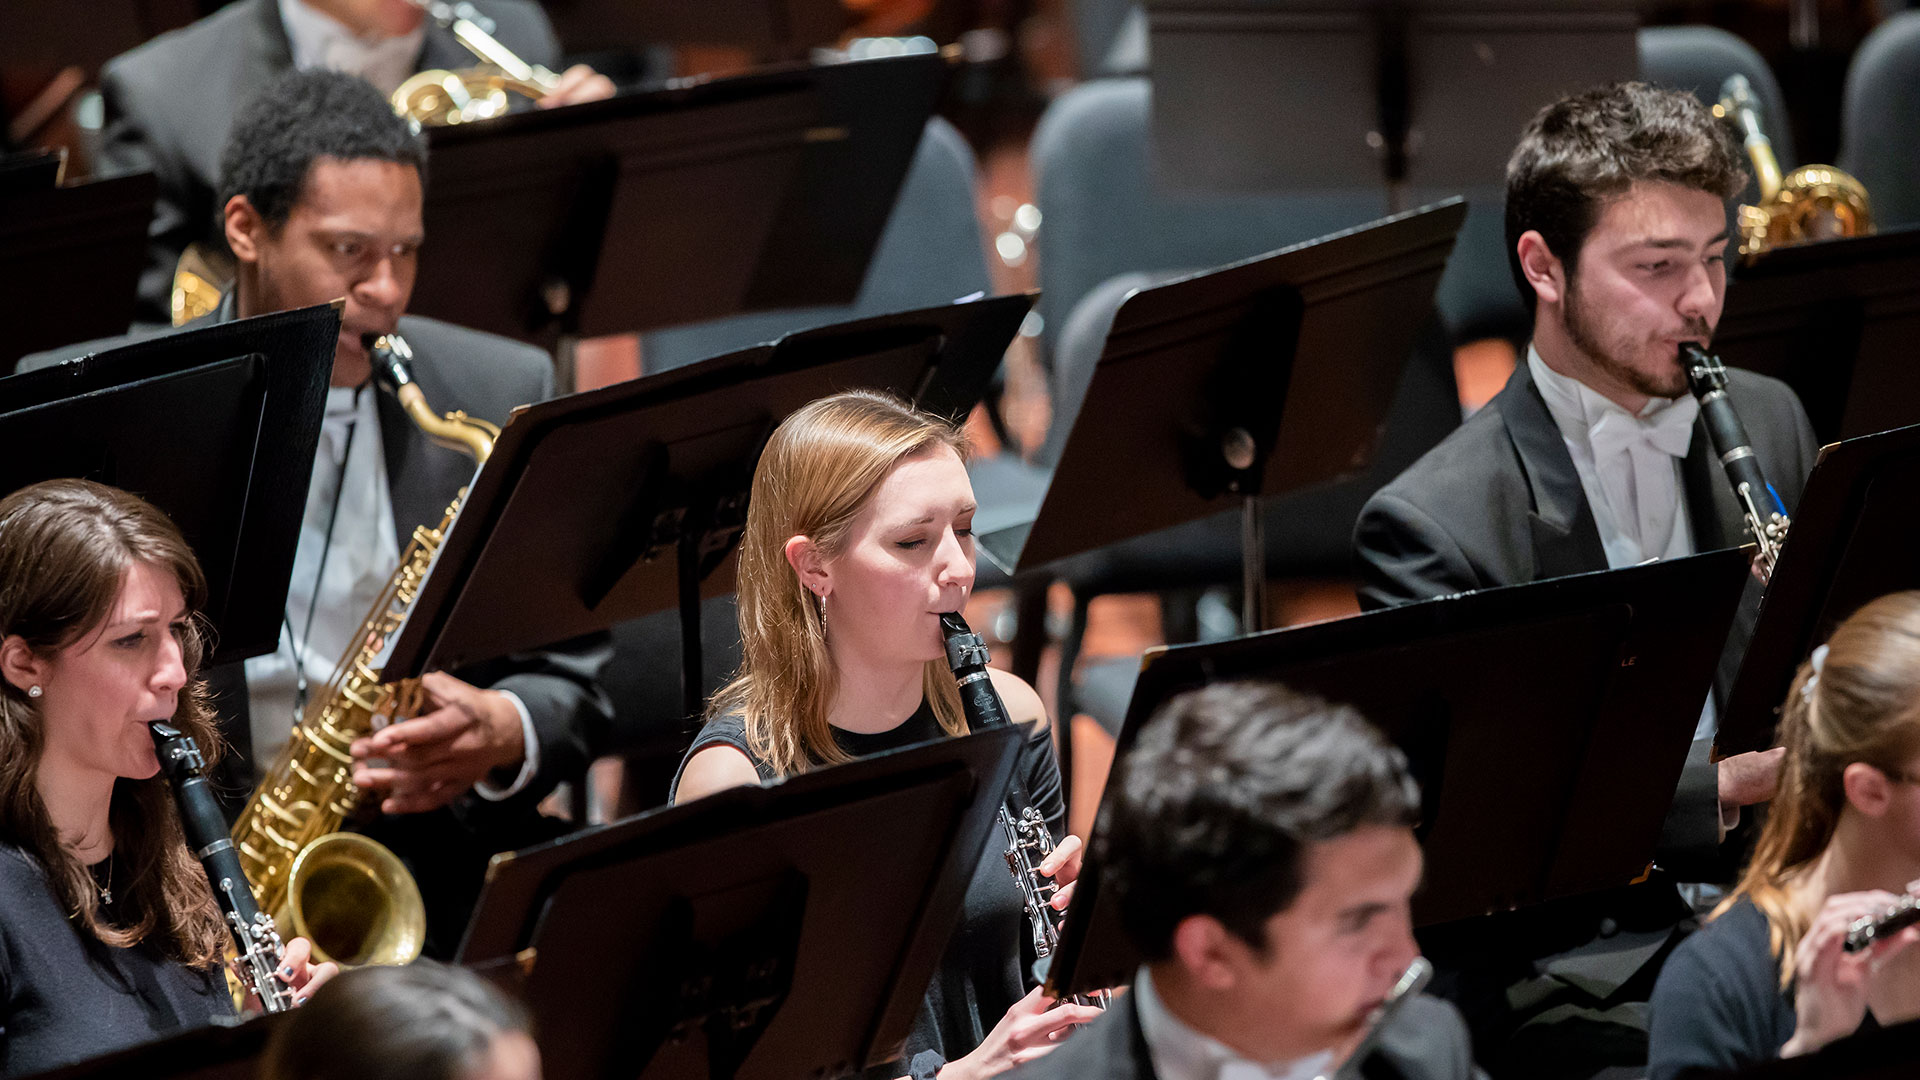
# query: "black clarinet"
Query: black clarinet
1028,841
200,818
1766,515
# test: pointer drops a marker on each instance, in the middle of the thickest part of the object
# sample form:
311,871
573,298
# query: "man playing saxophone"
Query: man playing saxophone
171,102
321,190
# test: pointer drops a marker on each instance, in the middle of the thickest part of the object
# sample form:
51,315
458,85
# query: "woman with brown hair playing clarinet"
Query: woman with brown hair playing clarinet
859,535
109,935
1771,975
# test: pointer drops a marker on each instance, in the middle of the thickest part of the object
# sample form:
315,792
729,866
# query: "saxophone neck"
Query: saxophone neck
393,370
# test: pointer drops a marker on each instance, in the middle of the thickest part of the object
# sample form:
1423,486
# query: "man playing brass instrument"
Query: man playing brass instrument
321,189
171,102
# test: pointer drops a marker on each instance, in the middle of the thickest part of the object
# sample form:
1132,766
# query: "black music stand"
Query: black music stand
217,427
671,206
1256,379
1421,92
608,505
31,170
1547,724
770,28
764,932
1835,320
70,258
1884,1054
218,1052
1851,541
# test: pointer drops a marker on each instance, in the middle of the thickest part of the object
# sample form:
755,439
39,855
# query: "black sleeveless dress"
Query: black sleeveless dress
985,969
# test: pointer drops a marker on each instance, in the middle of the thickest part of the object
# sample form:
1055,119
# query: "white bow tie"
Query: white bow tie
1669,431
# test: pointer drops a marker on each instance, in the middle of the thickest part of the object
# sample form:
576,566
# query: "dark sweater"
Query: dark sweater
984,969
65,997
1718,1005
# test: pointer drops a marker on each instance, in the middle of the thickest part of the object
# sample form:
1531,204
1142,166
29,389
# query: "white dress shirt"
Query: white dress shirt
1629,467
1181,1053
334,600
321,41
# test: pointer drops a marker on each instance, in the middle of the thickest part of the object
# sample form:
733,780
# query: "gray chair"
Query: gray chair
1106,229
1698,59
1880,120
930,252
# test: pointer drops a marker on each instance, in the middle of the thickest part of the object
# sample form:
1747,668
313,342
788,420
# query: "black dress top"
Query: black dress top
65,997
1718,1005
984,970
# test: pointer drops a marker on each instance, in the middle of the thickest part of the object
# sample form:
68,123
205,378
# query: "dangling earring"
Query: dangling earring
33,691
820,605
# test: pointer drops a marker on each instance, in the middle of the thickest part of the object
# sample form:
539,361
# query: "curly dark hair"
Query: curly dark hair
301,117
1217,803
1583,150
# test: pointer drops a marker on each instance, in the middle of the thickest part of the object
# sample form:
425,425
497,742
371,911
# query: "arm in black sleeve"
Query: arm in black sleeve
1040,772
181,209
1403,555
572,717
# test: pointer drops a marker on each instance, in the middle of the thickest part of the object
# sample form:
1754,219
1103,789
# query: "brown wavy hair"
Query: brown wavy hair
65,548
819,469
1864,707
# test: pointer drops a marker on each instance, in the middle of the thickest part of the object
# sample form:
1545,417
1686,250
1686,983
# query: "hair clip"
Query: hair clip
1817,661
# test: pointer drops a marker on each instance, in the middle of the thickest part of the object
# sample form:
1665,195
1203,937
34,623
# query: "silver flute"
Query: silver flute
1892,919
1028,841
254,935
1412,981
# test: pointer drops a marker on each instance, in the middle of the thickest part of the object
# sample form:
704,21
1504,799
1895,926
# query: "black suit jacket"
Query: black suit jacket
171,102
485,376
1425,1041
1499,502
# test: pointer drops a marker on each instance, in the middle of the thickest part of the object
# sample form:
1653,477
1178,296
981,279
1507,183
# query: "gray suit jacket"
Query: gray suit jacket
1499,502
1425,1041
171,102
485,376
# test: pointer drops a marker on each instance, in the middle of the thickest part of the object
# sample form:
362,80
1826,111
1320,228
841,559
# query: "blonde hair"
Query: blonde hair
1861,704
819,469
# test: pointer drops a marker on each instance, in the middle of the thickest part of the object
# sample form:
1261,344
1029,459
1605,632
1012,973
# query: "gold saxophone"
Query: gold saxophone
1813,202
347,894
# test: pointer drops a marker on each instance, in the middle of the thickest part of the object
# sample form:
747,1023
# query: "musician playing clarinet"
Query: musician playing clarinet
859,536
109,934
1259,848
1593,455
1771,975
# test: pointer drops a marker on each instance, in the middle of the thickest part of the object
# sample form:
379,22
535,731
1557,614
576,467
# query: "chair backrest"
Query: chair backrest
1698,59
930,252
1880,119
1098,25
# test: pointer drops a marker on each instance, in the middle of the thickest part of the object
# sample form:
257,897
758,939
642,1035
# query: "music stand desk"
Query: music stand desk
770,932
1547,723
217,427
70,261
604,506
1835,320
1851,541
216,1052
669,206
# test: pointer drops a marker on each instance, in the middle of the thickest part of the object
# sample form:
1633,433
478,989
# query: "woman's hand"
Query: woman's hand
1831,984
300,973
1031,1029
1063,866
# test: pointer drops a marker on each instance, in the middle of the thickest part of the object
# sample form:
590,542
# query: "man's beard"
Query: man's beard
1583,331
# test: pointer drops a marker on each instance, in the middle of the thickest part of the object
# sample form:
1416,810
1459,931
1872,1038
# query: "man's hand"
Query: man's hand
1746,779
577,84
430,760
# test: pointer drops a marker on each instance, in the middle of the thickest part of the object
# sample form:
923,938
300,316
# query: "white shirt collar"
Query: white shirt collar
1577,407
1182,1053
318,40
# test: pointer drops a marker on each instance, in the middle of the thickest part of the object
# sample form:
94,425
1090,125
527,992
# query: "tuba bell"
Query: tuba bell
1813,202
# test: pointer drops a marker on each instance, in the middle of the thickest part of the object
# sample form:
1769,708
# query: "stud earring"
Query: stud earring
33,691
